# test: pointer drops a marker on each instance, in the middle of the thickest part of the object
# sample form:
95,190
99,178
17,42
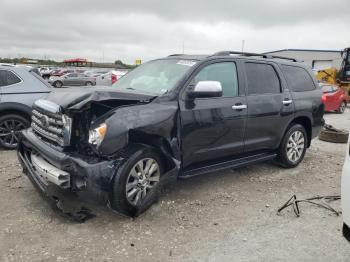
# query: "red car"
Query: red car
333,98
62,72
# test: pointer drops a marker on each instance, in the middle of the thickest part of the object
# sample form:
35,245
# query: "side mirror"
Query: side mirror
205,89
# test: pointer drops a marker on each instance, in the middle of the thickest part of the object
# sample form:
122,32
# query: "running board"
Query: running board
227,164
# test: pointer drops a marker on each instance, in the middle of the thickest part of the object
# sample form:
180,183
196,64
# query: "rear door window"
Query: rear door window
298,79
262,79
8,78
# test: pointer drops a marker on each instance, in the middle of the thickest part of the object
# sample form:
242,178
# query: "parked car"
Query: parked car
110,78
55,72
170,118
62,72
19,88
46,72
345,194
72,79
334,98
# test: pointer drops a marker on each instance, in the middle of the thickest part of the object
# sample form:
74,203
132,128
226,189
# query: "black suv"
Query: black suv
170,118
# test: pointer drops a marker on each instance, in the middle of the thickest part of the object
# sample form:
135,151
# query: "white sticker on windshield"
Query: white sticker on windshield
186,62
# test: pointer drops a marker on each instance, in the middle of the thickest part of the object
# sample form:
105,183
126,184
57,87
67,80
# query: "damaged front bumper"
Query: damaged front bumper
69,180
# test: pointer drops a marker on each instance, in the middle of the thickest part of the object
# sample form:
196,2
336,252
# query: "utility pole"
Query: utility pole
243,42
183,47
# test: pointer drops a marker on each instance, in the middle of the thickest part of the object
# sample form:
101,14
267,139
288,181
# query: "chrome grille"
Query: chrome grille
49,124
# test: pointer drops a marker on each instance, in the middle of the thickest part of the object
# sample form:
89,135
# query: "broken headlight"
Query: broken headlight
97,135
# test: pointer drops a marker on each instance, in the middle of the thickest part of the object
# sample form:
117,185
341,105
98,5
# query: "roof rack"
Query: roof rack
227,53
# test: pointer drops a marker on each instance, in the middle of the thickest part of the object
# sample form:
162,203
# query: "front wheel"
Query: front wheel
293,147
10,125
136,184
89,84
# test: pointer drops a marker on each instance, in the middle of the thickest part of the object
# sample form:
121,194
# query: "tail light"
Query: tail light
323,99
114,78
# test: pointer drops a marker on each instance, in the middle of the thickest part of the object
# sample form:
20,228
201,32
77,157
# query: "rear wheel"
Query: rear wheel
136,184
293,147
10,125
89,84
342,107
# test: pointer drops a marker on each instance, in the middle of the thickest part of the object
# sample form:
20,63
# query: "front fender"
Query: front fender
15,107
151,120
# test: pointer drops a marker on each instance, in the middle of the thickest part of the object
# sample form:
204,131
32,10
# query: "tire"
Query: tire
342,107
9,125
58,84
89,83
340,136
124,200
289,150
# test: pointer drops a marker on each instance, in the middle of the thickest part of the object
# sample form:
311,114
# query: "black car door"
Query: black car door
213,128
270,106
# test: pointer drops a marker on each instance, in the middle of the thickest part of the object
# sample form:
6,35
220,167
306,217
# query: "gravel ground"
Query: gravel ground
225,216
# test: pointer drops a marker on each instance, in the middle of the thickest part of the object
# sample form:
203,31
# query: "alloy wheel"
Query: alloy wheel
8,129
144,175
295,146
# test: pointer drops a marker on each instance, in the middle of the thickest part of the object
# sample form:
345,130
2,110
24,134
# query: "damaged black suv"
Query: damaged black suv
170,118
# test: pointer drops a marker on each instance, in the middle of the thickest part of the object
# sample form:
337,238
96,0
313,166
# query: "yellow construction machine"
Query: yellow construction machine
335,76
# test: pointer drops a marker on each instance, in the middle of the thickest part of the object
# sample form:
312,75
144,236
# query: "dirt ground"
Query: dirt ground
225,216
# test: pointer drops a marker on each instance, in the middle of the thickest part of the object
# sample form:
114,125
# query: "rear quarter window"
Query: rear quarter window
298,79
8,78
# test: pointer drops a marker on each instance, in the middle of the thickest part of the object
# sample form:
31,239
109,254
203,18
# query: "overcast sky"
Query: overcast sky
147,29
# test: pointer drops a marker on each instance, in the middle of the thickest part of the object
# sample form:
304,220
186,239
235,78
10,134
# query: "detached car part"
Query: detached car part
294,202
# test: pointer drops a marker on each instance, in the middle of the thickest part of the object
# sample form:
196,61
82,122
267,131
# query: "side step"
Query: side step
227,164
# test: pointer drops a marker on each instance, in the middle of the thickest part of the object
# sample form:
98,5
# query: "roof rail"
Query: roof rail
227,53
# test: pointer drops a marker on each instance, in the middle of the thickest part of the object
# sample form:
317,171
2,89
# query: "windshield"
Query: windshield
155,77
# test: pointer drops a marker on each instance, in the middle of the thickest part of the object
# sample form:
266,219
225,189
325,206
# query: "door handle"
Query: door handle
287,102
239,107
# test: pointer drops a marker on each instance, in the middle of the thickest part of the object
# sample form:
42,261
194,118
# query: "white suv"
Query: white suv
345,190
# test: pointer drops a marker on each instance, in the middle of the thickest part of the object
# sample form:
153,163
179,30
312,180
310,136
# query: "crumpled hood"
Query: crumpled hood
77,98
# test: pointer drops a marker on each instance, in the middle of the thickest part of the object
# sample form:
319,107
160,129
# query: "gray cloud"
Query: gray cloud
147,29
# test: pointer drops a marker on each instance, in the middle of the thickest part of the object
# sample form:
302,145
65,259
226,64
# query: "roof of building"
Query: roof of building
303,50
